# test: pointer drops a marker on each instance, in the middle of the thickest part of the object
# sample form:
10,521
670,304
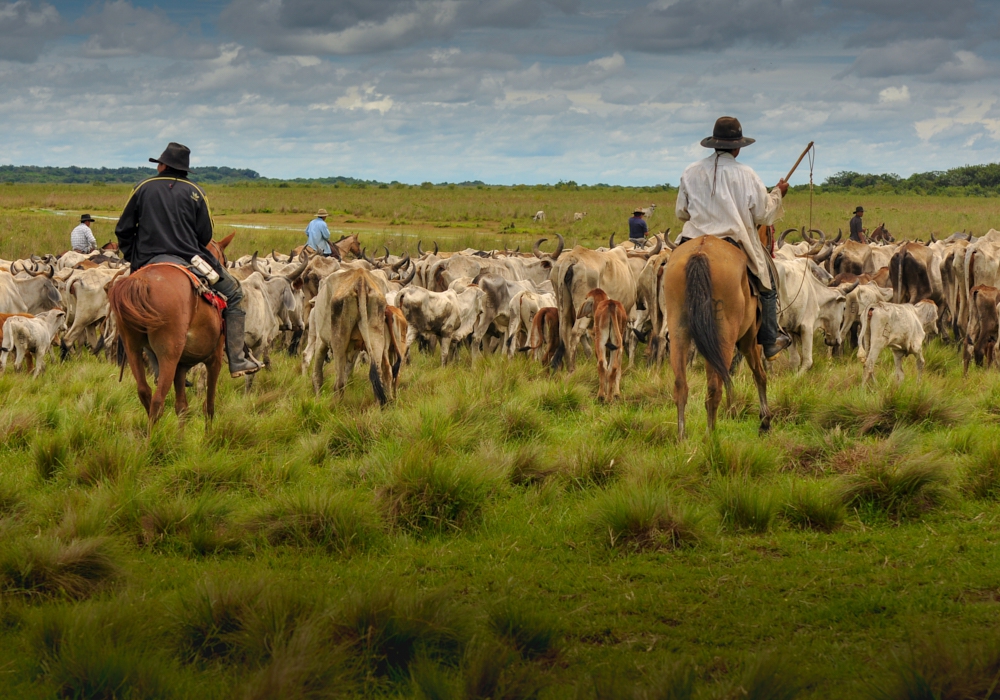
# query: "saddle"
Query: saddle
208,294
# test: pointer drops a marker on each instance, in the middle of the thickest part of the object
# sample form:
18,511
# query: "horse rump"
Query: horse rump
129,300
700,314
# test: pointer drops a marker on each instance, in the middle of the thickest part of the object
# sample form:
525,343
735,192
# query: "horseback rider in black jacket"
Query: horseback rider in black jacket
167,219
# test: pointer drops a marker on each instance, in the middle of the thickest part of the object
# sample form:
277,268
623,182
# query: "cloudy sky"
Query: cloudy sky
504,91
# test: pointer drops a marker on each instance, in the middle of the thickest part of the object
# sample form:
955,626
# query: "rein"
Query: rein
801,284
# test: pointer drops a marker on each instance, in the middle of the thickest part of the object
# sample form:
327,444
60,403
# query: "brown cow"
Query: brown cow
915,274
544,335
852,257
609,320
983,327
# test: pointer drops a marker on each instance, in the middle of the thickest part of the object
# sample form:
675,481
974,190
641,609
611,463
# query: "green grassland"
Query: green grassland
497,533
454,216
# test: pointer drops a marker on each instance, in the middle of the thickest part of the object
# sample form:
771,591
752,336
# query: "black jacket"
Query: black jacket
856,228
166,215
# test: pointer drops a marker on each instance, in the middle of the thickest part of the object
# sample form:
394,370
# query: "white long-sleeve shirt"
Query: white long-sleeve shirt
720,197
82,239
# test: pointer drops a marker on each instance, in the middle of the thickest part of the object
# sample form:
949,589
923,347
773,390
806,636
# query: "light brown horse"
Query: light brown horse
709,302
347,248
157,310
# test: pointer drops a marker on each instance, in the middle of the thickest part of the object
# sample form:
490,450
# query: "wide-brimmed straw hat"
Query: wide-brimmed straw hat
322,213
859,210
175,156
637,210
84,218
727,135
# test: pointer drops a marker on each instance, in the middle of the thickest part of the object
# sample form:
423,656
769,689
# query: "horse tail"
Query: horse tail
373,361
129,299
700,317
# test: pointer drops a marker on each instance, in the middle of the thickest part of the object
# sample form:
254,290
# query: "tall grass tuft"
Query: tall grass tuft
337,522
982,474
768,677
51,454
85,655
304,667
11,500
215,471
561,398
596,463
428,492
354,435
675,681
197,525
880,413
903,489
528,631
519,422
386,630
527,467
941,667
108,461
745,506
46,568
641,518
809,507
238,621
737,458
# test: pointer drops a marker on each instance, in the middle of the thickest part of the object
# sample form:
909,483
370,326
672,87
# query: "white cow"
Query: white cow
523,307
578,216
807,305
859,300
438,315
900,327
539,216
30,336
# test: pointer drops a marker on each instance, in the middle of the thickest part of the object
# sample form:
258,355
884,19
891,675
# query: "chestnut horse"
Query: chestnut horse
707,288
157,310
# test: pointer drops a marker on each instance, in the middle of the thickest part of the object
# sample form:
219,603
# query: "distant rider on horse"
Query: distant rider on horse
167,219
719,197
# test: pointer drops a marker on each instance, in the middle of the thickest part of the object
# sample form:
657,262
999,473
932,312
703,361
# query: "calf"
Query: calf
445,316
31,337
544,336
3,319
982,335
523,308
901,327
609,320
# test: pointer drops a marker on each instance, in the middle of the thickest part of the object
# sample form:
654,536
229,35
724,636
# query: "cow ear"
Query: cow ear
227,240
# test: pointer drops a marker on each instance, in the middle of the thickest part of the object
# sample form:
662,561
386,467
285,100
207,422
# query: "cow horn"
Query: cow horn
409,277
370,260
400,264
840,234
933,239
969,238
825,253
611,241
781,238
559,248
34,258
537,249
274,255
435,247
822,236
297,272
256,268
386,258
666,240
658,247
419,251
518,249
806,236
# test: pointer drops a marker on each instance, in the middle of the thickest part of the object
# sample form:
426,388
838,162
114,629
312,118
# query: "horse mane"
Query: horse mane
129,300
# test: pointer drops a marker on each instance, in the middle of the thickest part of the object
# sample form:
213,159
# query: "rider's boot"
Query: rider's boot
770,336
240,363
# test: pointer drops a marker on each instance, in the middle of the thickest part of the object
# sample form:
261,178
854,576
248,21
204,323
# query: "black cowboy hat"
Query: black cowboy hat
727,135
175,156
859,210
86,217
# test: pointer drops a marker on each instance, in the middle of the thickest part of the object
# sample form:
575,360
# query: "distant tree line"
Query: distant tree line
110,176
974,180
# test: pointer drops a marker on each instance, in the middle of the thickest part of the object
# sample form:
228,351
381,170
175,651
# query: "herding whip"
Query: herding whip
792,171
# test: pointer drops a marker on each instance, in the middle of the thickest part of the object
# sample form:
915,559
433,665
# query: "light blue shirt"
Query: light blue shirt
318,236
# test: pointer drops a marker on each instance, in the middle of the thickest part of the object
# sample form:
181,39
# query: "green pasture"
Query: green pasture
454,216
497,533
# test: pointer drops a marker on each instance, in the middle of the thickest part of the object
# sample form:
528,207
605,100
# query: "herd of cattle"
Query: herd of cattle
351,306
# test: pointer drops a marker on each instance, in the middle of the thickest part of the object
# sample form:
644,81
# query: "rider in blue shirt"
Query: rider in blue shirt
318,235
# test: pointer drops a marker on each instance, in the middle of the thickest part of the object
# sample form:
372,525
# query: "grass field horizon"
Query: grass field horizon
495,532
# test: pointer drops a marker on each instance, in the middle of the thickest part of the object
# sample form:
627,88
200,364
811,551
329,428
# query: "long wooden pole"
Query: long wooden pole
792,171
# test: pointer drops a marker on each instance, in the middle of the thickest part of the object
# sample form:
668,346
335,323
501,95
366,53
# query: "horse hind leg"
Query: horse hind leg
213,369
755,361
180,394
678,362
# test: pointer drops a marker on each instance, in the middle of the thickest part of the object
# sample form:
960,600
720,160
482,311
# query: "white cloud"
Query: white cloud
364,98
894,95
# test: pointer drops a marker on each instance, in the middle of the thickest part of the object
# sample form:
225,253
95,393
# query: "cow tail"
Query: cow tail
561,350
700,317
373,361
897,287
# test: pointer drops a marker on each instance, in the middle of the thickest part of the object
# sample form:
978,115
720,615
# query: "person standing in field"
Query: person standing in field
719,197
857,232
82,238
167,220
318,235
637,228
